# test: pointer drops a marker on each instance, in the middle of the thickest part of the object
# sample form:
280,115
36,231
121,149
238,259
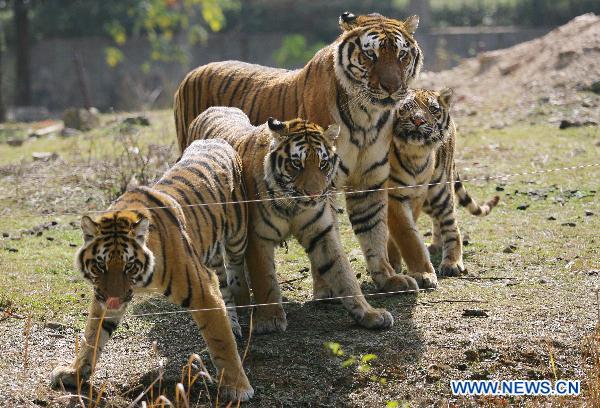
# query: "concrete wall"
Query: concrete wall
56,83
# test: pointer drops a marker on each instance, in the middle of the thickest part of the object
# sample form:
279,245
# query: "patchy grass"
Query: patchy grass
539,294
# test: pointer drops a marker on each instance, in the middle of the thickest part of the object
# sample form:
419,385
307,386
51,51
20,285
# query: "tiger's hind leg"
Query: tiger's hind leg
447,235
223,274
90,349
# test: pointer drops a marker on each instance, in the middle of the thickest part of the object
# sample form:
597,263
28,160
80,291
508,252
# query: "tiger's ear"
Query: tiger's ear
347,21
278,129
447,96
332,132
411,24
89,227
140,229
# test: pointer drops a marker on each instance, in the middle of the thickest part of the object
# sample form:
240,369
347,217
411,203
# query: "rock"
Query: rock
72,245
565,124
510,249
588,213
46,128
12,249
5,235
56,326
44,156
50,238
136,121
474,313
568,224
499,188
81,119
69,132
523,207
551,218
508,69
15,142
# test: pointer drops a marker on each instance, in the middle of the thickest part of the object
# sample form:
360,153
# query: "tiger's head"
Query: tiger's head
114,257
302,162
377,57
423,119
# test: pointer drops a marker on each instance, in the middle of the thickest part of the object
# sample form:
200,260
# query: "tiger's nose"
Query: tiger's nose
418,121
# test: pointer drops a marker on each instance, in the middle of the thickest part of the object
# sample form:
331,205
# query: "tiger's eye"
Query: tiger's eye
371,54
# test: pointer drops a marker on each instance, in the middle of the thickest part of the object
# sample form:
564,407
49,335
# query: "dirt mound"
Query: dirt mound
552,78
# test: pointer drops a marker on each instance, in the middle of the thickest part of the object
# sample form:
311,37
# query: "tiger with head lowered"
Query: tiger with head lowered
355,82
289,169
164,239
422,155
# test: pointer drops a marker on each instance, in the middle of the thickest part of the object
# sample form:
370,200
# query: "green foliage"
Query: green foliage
361,364
295,51
160,20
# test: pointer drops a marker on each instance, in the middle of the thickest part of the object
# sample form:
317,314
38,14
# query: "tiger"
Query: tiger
422,157
355,82
289,170
164,239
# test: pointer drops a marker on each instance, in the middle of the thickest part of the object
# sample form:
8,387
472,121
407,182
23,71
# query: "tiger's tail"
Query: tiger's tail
465,200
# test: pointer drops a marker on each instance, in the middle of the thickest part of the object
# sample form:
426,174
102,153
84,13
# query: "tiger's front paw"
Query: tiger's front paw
399,283
237,388
426,280
376,319
269,319
67,376
452,269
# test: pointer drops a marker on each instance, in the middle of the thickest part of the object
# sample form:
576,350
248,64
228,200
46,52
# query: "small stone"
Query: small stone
427,234
565,124
510,249
15,142
523,207
462,367
136,121
588,213
568,224
50,238
57,326
358,275
499,188
474,313
44,156
12,249
543,281
81,119
551,218
5,234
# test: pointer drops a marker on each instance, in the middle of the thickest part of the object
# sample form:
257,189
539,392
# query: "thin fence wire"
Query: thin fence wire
336,193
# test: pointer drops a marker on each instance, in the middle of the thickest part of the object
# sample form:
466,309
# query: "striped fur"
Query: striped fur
292,164
355,82
159,239
423,153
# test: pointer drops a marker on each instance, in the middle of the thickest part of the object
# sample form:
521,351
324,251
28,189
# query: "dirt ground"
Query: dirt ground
533,265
